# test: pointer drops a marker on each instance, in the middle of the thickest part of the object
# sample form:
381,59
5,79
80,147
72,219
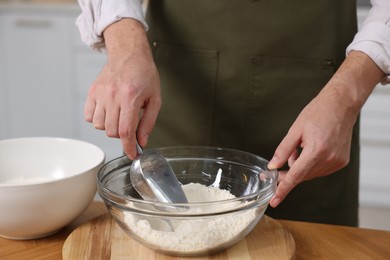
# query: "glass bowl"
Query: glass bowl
228,192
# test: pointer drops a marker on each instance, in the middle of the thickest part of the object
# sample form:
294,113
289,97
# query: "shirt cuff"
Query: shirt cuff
97,15
374,40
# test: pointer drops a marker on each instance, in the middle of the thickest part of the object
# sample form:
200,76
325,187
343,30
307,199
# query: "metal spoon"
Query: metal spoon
153,178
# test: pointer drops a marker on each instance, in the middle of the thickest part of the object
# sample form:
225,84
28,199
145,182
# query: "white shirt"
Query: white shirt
373,37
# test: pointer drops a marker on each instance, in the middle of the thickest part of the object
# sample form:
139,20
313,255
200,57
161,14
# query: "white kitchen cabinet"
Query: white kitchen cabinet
34,90
35,85
45,72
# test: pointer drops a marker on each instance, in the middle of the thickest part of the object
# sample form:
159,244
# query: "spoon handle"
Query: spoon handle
139,148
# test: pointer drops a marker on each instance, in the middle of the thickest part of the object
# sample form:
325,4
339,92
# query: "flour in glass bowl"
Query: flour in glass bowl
194,235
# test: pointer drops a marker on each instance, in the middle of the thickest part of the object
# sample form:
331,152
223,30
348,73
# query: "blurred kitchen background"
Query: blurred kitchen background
45,72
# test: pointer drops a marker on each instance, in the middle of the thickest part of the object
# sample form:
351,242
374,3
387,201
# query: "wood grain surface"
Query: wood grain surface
323,241
102,238
312,241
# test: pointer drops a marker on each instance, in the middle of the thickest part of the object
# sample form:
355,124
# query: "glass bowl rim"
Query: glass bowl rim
268,191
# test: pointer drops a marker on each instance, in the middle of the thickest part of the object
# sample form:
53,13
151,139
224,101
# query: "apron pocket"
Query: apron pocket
188,79
280,87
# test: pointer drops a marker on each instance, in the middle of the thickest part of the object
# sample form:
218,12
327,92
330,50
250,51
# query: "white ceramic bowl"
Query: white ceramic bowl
45,183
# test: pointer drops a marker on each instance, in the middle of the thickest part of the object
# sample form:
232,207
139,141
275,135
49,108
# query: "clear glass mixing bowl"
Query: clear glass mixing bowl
195,228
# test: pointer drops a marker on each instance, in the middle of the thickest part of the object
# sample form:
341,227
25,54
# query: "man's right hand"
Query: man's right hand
125,98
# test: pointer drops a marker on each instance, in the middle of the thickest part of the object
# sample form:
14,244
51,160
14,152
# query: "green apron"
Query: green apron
236,74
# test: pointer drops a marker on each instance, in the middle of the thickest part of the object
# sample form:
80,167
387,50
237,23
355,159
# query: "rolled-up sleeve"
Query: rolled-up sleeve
374,36
97,15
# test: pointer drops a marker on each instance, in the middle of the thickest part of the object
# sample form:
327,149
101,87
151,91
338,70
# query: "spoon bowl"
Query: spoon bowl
153,178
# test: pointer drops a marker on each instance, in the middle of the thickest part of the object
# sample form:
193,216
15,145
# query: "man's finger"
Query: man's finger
147,121
284,150
128,120
292,178
112,122
89,109
99,117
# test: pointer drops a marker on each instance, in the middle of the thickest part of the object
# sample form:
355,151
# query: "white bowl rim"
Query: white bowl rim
54,180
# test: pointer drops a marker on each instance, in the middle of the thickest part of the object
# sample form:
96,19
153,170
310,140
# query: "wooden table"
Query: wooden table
312,241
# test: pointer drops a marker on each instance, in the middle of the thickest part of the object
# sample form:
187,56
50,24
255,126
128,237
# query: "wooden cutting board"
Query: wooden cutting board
102,238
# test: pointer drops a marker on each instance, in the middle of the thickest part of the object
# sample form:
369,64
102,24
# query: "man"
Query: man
249,75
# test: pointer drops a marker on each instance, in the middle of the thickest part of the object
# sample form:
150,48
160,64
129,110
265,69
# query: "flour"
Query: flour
197,234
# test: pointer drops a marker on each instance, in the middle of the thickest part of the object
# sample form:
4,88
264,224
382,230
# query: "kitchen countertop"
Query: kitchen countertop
311,240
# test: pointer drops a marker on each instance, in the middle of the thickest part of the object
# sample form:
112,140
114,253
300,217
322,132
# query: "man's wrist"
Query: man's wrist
354,81
125,35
